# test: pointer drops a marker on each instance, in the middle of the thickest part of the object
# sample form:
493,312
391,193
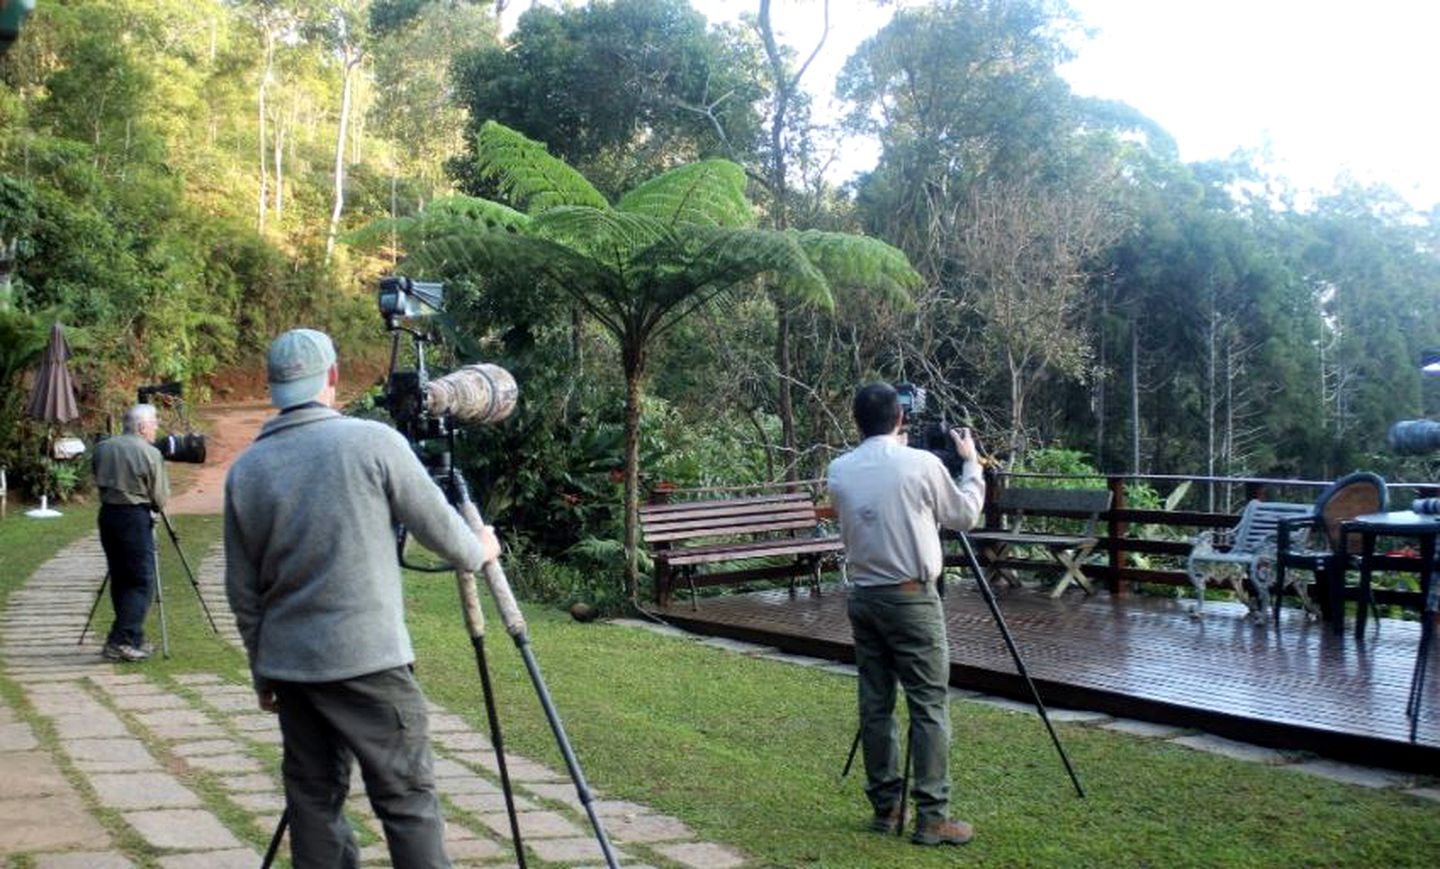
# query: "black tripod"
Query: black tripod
989,596
159,593
514,622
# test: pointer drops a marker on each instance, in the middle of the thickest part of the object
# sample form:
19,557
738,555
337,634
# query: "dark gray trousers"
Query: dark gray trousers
900,635
378,719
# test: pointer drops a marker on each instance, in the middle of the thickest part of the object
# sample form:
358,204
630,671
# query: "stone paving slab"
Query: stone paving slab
43,823
739,646
573,850
118,754
32,774
17,736
206,746
182,829
227,763
647,828
1144,729
83,860
540,824
142,790
230,858
96,724
1230,748
1364,776
702,855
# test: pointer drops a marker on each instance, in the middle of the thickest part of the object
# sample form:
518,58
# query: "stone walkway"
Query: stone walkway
107,765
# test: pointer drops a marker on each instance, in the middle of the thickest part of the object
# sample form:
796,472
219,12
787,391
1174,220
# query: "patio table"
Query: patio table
1423,528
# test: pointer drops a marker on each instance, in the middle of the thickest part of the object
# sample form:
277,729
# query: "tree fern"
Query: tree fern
859,261
528,175
709,193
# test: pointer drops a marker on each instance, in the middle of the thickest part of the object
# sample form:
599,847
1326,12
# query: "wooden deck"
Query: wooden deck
1301,688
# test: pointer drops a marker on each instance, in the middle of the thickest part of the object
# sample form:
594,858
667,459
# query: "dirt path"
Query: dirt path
229,429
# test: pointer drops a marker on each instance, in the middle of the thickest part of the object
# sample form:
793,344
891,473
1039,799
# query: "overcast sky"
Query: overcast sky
1323,86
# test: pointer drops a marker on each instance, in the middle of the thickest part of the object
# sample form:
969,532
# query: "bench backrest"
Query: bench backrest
1083,503
692,520
1257,528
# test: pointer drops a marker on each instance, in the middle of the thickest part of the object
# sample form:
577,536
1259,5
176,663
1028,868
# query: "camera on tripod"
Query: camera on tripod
925,430
427,410
188,447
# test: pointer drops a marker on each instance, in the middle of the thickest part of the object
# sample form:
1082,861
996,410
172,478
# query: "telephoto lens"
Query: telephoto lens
1413,437
188,448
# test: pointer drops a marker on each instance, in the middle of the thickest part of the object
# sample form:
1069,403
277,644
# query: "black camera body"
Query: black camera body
926,431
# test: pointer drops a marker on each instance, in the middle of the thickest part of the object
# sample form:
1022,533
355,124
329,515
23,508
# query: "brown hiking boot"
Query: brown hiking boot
942,833
886,822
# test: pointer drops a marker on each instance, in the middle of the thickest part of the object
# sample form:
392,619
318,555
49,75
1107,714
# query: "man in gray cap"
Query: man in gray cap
314,580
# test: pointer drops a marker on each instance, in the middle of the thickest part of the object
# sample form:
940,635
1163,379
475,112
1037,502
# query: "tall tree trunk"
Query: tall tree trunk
784,398
633,354
347,84
279,172
1210,352
785,88
264,199
1134,397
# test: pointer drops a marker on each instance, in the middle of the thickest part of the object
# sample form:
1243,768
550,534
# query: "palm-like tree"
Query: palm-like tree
640,266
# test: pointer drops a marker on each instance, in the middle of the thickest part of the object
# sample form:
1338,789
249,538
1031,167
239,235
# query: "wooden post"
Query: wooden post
1118,530
660,494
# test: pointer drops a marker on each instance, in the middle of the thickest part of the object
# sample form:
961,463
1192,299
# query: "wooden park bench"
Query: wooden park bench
687,536
1069,551
1250,546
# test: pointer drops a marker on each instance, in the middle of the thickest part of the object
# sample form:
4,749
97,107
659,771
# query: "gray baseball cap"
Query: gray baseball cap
297,365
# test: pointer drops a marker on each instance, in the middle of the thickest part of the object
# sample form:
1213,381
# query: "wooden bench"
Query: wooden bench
1069,551
686,536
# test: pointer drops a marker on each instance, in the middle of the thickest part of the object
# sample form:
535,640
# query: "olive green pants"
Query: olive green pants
378,719
900,637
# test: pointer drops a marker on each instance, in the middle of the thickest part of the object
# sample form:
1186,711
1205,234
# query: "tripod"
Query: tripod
514,623
159,593
989,595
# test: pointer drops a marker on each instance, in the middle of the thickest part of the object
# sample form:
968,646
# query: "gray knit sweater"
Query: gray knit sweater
310,563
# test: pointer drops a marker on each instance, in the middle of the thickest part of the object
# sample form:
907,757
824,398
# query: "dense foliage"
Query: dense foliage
179,181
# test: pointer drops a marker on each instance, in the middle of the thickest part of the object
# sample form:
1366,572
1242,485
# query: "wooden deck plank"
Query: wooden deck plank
1302,688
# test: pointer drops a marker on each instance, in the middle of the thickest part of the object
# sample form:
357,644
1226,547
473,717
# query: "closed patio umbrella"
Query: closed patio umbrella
52,399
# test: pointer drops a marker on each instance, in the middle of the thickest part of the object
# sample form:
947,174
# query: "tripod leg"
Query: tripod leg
160,604
989,596
514,623
275,839
175,540
93,607
854,747
498,742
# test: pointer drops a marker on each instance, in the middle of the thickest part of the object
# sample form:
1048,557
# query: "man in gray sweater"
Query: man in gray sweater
313,578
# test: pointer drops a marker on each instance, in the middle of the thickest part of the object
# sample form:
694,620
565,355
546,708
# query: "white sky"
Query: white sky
1322,86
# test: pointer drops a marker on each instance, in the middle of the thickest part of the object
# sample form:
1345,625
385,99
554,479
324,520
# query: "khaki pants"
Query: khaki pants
900,636
378,719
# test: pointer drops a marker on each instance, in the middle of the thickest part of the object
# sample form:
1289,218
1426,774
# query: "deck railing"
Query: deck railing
1150,545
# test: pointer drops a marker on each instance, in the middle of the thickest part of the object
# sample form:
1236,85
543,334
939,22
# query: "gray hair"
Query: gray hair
138,416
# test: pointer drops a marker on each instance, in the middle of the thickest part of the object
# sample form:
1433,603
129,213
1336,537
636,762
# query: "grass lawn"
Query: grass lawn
748,752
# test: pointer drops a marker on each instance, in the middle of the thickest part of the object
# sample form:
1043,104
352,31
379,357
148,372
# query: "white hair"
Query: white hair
138,416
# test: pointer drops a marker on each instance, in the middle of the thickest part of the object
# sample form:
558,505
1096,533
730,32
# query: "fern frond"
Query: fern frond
708,193
449,215
528,175
610,235
859,261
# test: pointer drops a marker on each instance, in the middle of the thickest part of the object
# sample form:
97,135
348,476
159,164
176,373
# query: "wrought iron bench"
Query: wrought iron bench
1069,551
1250,546
686,536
